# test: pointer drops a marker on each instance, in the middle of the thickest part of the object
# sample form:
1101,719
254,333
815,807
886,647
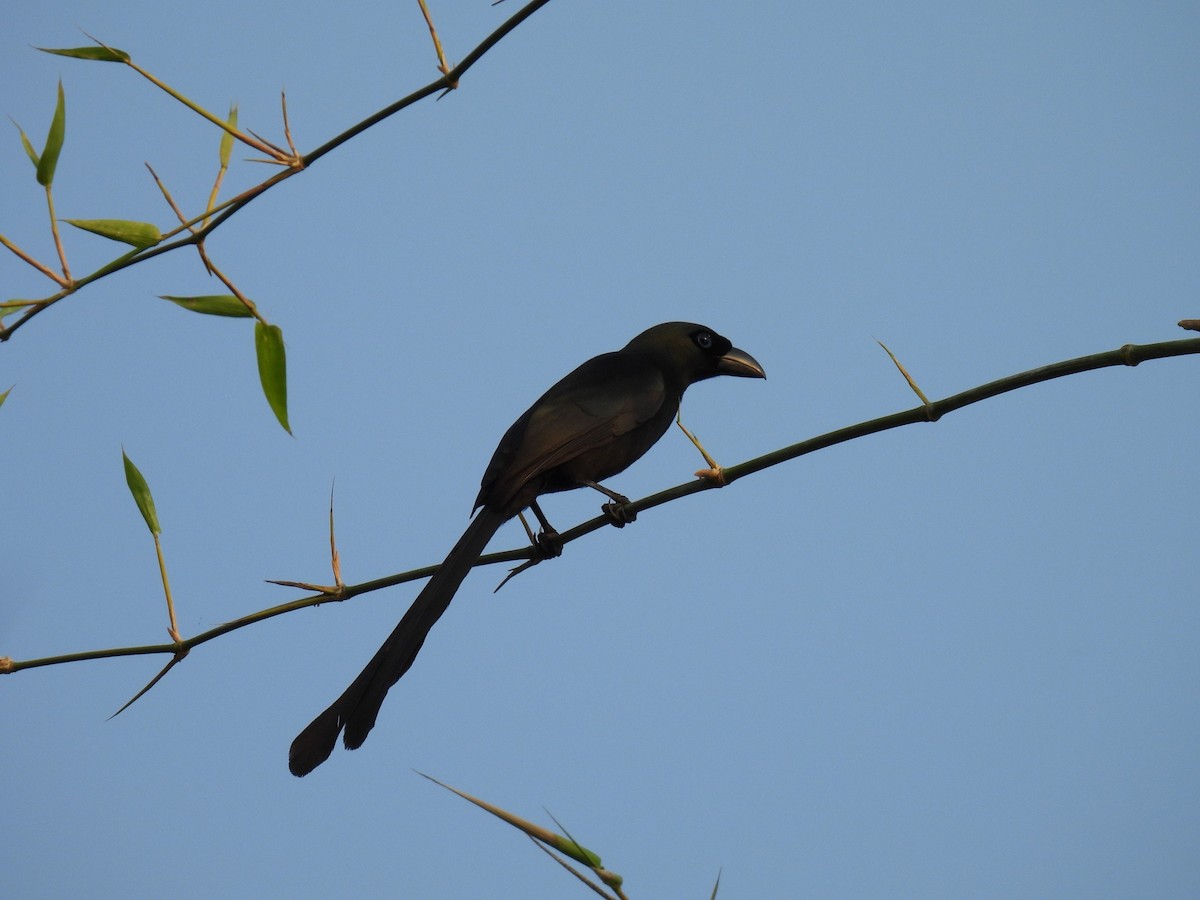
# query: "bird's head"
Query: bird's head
695,352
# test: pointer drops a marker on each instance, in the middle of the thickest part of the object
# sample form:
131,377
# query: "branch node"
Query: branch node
1129,355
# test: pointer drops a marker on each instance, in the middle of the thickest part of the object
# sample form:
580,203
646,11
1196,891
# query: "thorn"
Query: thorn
282,153
335,559
287,128
179,655
333,592
912,384
513,573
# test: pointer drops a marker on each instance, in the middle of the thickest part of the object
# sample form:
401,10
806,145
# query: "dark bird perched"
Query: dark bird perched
592,424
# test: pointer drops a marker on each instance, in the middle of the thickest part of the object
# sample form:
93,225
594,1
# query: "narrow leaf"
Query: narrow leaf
9,310
103,54
141,494
272,369
25,142
563,845
227,138
139,234
4,396
48,161
213,305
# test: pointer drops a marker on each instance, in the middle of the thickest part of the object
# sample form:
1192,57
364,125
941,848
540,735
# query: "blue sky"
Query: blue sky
949,660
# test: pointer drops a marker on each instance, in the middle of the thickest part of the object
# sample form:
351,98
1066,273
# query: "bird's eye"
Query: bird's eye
703,340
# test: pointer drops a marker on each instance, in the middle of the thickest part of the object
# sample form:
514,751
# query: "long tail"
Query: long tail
356,709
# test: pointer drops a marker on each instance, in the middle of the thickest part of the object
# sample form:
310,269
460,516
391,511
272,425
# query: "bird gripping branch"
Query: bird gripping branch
591,425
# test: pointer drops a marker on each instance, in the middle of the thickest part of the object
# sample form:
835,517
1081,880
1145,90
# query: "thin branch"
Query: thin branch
443,66
233,289
247,139
140,255
182,218
1128,355
231,207
58,244
449,80
173,628
21,254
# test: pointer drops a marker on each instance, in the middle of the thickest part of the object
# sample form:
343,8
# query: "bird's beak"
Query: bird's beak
740,363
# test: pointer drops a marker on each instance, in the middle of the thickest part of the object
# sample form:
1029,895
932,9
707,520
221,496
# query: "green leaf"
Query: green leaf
103,54
272,369
139,234
4,396
576,851
25,142
227,138
9,310
141,494
212,305
48,161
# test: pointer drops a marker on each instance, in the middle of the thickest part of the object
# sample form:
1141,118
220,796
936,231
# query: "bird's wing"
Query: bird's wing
606,397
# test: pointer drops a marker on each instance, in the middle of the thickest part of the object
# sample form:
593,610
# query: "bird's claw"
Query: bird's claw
548,544
619,514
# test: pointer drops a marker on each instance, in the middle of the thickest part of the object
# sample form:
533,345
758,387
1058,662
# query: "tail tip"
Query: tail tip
314,744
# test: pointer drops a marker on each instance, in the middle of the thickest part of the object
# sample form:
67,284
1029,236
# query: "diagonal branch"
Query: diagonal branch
448,80
1128,355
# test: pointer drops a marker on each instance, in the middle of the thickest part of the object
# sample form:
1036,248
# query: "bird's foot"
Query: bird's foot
618,512
714,475
548,544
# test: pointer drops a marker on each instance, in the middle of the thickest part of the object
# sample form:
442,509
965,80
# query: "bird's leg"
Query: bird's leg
618,512
547,541
546,544
714,472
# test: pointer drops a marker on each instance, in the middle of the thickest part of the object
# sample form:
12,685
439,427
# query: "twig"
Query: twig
179,214
196,107
233,288
231,207
437,44
49,273
58,244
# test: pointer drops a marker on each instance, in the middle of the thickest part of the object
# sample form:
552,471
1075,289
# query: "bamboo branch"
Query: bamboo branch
1128,355
449,80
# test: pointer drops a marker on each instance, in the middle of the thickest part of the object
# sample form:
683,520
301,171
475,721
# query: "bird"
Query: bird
591,425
